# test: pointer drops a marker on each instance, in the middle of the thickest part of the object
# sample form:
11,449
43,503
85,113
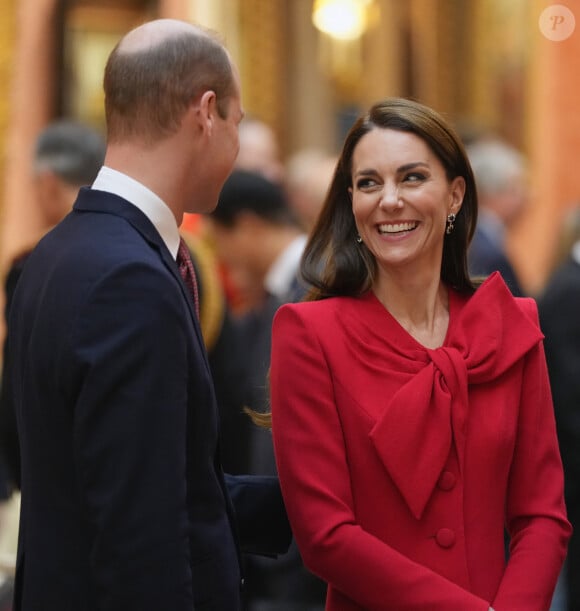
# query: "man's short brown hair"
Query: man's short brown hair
148,90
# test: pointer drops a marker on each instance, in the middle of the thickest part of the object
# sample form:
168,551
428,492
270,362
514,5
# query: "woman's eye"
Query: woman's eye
414,177
365,183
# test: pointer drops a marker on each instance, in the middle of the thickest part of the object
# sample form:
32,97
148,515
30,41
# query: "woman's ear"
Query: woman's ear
457,194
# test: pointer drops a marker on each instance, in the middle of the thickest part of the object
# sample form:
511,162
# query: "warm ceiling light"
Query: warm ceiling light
342,19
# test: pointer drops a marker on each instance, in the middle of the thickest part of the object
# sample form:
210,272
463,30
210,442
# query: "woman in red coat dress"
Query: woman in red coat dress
411,408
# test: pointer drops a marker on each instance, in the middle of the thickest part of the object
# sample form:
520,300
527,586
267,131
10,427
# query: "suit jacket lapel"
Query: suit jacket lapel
109,203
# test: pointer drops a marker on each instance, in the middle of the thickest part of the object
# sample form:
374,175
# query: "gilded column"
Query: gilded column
31,103
554,142
384,53
262,48
7,42
175,9
310,96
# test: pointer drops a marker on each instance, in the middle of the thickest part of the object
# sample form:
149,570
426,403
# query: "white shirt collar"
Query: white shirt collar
282,272
152,206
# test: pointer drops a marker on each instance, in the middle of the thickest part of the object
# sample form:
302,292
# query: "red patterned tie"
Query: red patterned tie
187,272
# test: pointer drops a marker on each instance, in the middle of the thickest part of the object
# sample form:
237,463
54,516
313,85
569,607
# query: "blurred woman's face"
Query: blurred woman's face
401,198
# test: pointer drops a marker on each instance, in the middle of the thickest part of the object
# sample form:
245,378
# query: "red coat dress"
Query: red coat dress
400,464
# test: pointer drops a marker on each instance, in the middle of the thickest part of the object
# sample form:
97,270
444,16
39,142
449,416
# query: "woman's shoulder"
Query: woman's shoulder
319,307
529,307
321,312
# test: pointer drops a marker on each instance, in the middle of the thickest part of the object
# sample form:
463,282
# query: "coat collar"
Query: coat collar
102,202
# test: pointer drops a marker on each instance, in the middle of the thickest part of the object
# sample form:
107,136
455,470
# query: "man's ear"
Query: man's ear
207,109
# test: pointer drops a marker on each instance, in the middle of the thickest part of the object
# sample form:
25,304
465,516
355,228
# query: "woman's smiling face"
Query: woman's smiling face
401,198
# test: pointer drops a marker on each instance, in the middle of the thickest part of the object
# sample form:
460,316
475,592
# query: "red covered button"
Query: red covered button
447,480
445,537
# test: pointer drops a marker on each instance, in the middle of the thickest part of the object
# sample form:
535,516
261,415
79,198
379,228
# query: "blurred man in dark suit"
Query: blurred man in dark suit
68,155
502,190
259,238
559,308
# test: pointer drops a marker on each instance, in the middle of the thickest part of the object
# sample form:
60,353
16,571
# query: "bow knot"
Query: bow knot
414,435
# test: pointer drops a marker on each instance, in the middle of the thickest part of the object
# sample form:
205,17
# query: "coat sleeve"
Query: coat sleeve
315,480
263,527
128,371
536,516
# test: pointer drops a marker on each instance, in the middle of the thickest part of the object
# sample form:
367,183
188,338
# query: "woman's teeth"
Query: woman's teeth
396,227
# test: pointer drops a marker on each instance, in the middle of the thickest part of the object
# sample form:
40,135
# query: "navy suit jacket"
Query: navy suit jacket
124,505
559,306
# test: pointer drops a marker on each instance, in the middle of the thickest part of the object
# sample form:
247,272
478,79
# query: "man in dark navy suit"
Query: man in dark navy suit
124,503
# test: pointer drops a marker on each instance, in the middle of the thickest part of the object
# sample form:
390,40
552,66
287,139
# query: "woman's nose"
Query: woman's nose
390,197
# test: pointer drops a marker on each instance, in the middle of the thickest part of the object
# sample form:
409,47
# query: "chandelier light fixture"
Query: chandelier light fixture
341,19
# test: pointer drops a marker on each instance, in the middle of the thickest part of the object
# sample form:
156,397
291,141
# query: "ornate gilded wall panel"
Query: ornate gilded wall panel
263,61
90,33
7,41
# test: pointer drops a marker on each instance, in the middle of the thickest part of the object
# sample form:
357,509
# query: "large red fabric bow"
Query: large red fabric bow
416,430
